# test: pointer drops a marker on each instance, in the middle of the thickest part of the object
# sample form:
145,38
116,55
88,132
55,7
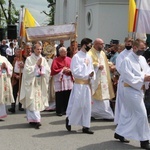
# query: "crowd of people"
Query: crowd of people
90,80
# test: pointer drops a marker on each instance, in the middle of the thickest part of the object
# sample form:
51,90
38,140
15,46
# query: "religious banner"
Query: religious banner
49,49
55,32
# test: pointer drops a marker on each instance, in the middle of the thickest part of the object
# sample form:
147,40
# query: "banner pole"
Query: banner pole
20,58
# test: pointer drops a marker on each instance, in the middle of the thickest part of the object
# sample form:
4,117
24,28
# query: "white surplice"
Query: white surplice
133,122
6,95
34,87
79,106
120,97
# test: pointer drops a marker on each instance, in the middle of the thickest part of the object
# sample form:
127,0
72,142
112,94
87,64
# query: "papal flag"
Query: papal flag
131,15
26,20
142,24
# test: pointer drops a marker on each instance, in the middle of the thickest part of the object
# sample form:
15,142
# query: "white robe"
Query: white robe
6,95
120,97
33,116
133,122
79,106
102,110
34,90
3,113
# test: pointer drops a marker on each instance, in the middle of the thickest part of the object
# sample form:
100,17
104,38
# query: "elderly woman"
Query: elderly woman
63,81
18,65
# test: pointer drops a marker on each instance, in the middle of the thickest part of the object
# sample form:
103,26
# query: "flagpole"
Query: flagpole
76,19
75,24
20,58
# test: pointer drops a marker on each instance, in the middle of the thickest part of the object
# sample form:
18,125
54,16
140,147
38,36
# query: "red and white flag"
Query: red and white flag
142,17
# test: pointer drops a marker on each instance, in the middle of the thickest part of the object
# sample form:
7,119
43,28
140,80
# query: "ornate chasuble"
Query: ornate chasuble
102,88
6,96
34,87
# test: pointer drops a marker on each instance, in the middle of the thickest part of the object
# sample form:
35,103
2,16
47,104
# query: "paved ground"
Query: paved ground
16,134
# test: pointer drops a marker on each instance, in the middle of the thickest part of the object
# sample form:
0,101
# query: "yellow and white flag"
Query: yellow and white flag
26,20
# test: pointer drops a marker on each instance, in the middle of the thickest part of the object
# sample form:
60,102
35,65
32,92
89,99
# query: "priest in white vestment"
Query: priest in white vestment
133,122
6,95
34,87
118,105
102,89
79,106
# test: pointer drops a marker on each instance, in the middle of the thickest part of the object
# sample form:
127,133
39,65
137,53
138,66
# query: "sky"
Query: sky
35,7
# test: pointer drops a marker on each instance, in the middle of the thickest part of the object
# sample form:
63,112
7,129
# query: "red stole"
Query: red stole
59,63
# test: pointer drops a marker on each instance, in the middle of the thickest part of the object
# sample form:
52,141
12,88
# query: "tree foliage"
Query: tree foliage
9,15
51,12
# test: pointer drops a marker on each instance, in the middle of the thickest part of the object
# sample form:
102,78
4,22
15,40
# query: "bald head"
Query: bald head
98,44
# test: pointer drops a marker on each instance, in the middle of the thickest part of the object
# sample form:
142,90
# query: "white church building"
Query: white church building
106,19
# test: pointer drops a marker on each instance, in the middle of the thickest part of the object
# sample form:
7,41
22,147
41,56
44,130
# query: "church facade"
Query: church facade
106,19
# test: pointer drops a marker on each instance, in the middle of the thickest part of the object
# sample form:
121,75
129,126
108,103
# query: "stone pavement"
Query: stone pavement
17,134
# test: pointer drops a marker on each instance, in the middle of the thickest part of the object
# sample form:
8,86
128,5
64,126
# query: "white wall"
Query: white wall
109,17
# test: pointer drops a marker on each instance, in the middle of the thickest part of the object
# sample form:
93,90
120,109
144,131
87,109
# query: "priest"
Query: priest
102,89
6,95
34,87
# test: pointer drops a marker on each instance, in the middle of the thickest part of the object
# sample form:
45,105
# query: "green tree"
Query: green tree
10,15
51,13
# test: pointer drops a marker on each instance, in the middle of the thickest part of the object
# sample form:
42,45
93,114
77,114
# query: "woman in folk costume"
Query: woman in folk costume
63,81
6,95
34,87
102,89
18,65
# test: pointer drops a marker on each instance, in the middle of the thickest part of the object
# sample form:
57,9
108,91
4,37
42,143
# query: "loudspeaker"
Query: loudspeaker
2,34
12,32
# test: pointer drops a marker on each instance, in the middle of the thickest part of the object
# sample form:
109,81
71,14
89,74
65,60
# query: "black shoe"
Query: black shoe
68,127
87,130
93,119
37,126
121,138
108,120
59,114
64,113
2,120
12,110
145,145
21,109
33,123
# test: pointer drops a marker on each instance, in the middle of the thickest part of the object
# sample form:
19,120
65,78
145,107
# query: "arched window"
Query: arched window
89,18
